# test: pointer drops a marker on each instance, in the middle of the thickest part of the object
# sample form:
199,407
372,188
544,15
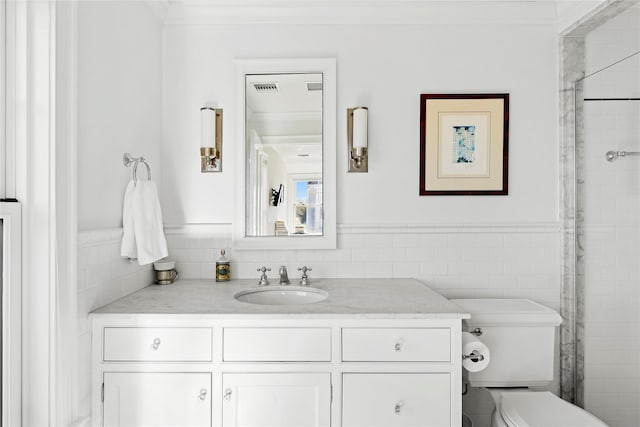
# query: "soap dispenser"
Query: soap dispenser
223,268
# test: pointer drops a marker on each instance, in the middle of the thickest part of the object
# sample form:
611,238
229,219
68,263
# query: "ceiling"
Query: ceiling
285,110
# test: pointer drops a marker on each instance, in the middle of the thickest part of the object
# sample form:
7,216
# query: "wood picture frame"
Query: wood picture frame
464,144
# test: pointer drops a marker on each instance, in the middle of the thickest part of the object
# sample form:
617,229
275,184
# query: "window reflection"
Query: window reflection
308,207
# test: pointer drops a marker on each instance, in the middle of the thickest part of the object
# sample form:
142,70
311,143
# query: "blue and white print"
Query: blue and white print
464,144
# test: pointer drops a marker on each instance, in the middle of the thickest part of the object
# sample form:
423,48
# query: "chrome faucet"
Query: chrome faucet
284,277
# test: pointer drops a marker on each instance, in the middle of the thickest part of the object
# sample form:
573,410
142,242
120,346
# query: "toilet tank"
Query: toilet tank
520,335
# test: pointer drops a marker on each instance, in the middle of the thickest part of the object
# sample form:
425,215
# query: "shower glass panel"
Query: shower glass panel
608,230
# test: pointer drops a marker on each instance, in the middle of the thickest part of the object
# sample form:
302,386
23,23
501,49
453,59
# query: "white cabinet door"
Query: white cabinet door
157,399
276,400
389,400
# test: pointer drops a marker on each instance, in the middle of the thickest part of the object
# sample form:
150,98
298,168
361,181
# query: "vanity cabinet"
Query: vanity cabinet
276,371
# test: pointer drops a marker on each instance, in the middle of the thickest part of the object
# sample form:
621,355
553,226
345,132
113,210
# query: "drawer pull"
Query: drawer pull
227,394
398,347
156,344
203,394
398,408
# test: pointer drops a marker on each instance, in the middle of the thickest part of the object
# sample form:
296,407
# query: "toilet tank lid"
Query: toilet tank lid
497,311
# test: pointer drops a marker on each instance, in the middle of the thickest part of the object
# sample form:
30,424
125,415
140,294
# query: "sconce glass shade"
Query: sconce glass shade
208,127
360,117
210,139
358,139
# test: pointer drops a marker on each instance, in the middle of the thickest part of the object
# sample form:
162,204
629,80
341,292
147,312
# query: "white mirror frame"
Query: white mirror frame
326,66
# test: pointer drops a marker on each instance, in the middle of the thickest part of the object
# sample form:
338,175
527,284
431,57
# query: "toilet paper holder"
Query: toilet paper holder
475,356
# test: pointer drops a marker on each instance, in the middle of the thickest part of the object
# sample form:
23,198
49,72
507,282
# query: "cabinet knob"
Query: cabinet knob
398,408
227,394
203,394
156,344
398,347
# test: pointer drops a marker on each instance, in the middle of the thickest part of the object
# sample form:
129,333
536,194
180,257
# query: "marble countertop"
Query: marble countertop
375,298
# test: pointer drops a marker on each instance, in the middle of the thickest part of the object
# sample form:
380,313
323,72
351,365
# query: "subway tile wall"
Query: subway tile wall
103,277
610,240
485,262
465,264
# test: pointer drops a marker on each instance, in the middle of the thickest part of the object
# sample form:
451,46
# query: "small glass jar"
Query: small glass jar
223,268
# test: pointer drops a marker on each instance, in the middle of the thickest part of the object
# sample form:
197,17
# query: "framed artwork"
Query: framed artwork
464,144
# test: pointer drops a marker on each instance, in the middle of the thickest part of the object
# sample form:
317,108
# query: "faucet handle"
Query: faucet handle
264,281
304,280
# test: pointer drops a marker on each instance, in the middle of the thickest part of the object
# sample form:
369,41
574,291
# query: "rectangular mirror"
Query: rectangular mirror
286,156
283,154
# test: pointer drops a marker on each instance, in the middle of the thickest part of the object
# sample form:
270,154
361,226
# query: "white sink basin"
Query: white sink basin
282,295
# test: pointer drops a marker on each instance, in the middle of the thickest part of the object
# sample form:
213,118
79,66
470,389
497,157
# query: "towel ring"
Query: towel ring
127,159
135,170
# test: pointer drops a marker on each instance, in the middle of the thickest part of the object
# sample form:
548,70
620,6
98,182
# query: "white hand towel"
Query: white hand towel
147,223
128,248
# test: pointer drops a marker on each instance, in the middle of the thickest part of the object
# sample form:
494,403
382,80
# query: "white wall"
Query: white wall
385,67
612,224
119,104
119,110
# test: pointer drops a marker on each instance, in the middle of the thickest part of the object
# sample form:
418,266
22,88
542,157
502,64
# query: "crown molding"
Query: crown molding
363,12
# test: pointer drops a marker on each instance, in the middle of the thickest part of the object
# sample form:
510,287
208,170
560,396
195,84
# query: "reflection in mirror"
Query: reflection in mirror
283,137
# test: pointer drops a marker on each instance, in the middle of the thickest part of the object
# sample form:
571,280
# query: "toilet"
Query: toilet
520,335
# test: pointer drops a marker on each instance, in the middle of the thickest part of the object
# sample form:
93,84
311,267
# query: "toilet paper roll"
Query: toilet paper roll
471,345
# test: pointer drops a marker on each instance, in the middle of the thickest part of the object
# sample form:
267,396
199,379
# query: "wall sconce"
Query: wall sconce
211,139
357,139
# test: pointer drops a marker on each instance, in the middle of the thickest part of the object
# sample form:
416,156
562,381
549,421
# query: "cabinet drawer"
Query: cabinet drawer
277,345
157,344
387,400
396,344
